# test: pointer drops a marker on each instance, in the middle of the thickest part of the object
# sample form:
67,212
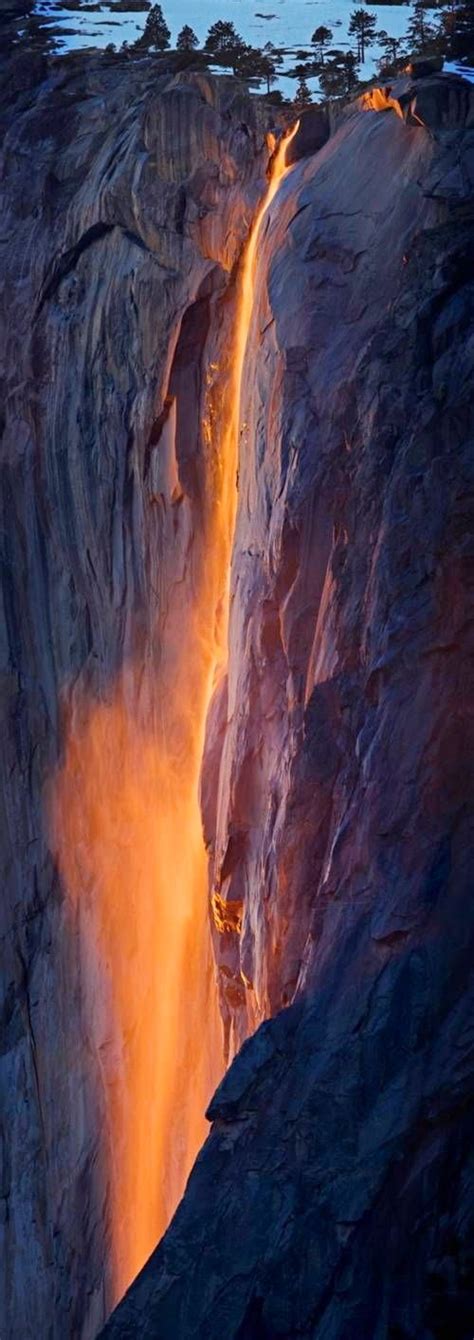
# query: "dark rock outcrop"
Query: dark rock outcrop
313,131
333,1199
423,66
442,103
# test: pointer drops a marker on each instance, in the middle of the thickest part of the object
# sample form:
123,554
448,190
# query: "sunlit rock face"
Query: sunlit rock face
334,1196
127,196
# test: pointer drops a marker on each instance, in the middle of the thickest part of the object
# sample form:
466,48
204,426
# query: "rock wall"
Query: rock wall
334,1195
126,198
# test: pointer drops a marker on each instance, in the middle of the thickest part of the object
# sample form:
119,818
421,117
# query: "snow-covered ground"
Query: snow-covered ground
288,23
453,67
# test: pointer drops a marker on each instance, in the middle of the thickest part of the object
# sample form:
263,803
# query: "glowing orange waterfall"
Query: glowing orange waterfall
127,830
230,435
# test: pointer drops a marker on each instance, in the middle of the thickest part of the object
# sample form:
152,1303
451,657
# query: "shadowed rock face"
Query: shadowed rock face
126,198
333,1199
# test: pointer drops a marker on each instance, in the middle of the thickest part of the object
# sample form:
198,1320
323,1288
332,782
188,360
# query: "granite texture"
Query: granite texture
333,1199
126,196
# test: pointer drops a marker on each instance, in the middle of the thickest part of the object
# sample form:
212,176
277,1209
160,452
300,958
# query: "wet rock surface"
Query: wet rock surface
333,1199
125,199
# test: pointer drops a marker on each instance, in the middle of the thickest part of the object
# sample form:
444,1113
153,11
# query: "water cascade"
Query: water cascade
127,831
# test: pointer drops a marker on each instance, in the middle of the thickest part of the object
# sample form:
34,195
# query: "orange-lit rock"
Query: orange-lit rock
120,304
126,826
334,1196
283,627
380,100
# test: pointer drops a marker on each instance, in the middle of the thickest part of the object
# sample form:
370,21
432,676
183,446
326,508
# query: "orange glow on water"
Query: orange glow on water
126,828
128,833
244,307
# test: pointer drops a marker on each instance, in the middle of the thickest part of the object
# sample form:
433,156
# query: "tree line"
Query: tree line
446,27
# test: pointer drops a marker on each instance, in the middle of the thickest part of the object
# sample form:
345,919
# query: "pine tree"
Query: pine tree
187,40
421,34
225,44
303,96
259,65
321,38
390,46
457,27
363,26
273,53
339,79
350,71
156,32
246,61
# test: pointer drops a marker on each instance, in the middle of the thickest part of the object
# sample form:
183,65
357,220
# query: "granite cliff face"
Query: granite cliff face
333,1196
329,590
126,199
